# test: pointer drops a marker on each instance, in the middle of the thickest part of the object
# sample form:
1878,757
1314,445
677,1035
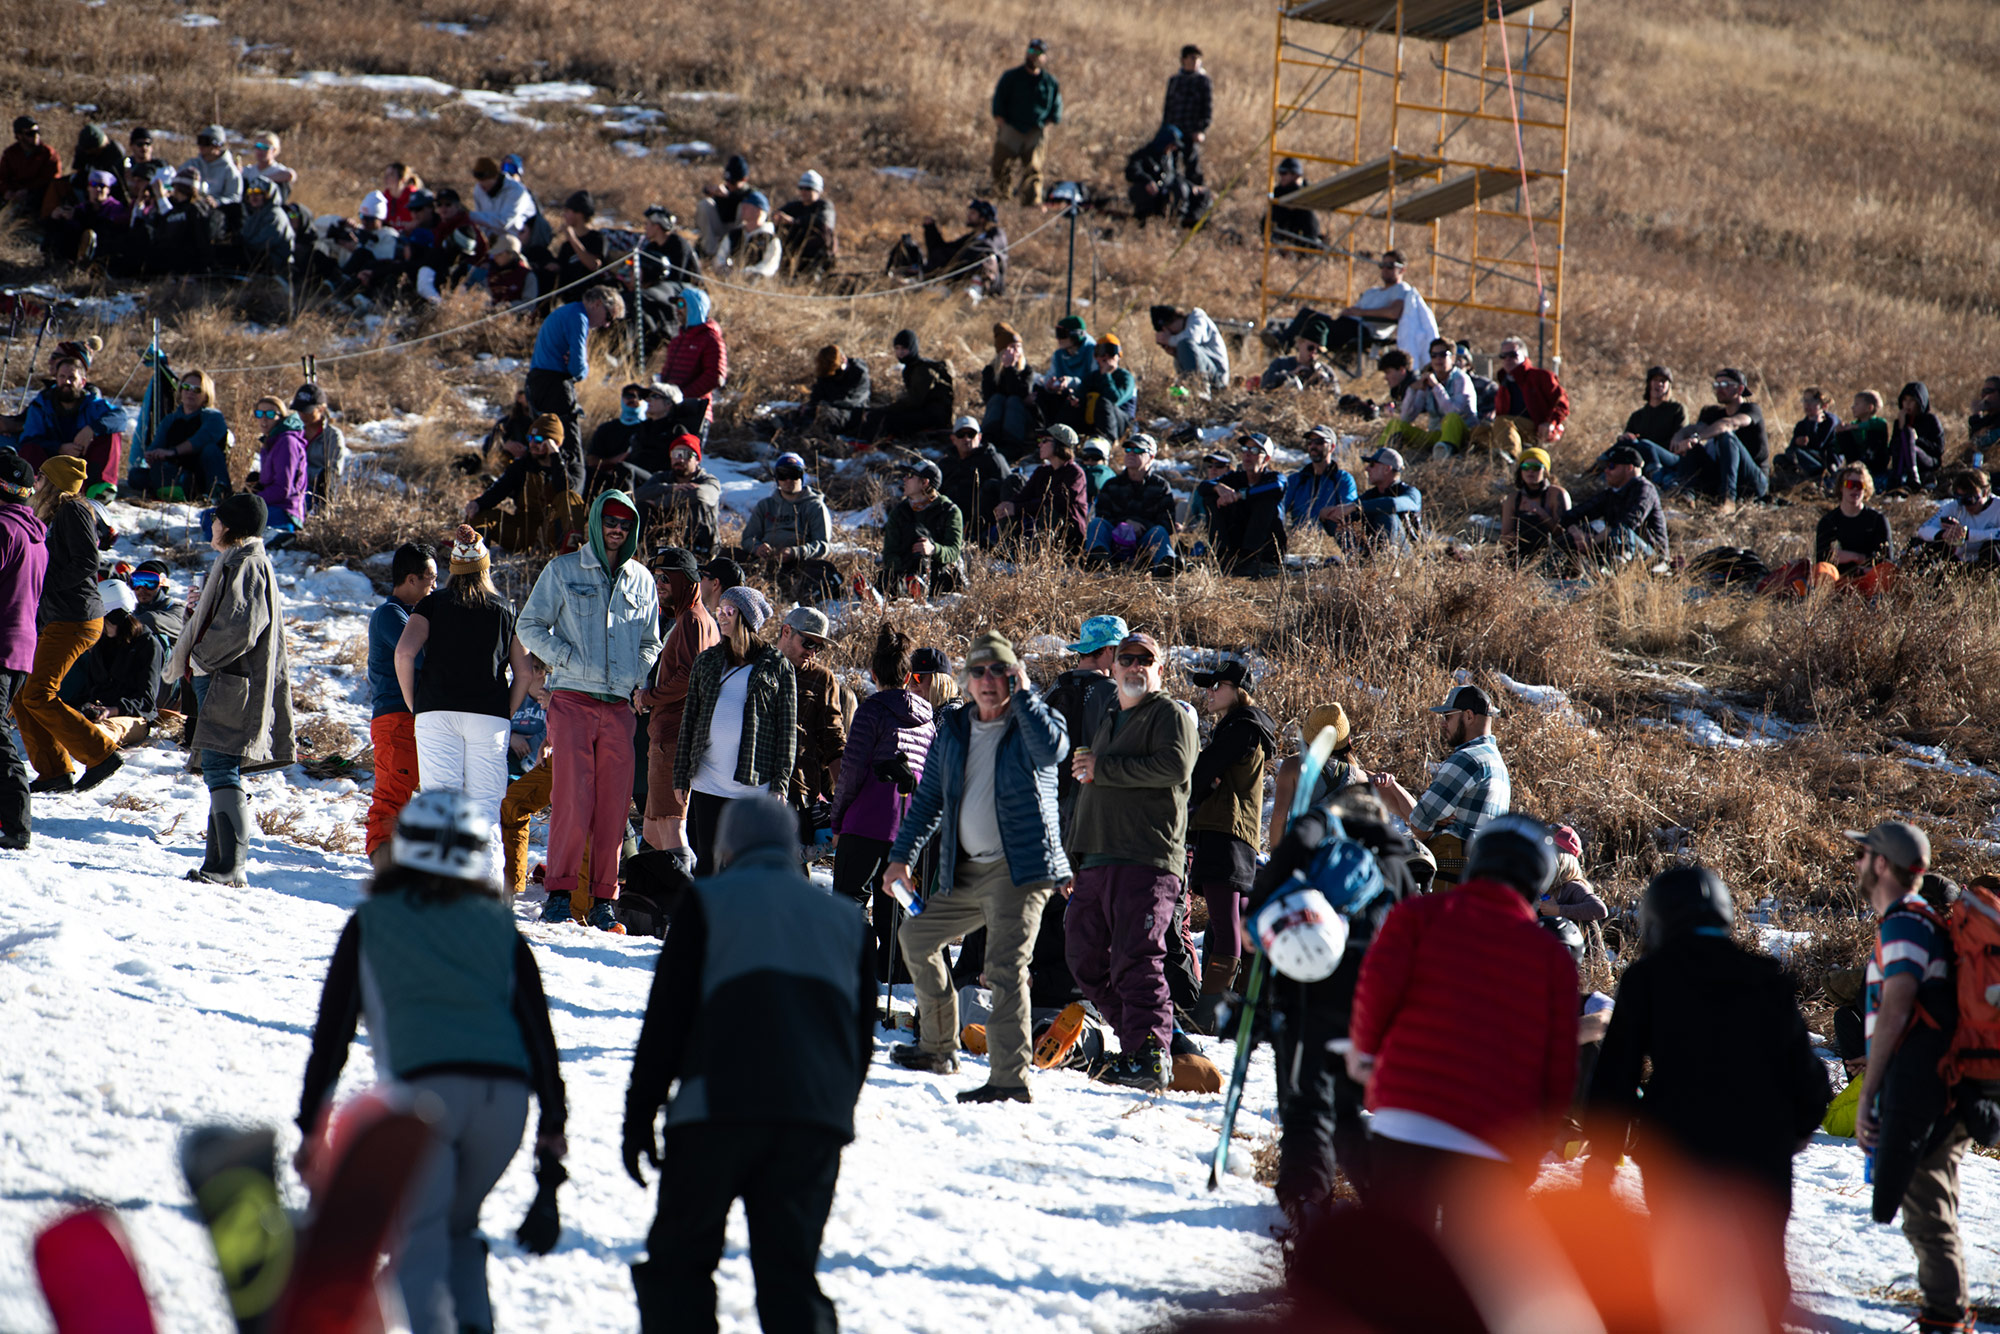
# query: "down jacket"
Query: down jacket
887,723
236,637
1469,1009
1024,789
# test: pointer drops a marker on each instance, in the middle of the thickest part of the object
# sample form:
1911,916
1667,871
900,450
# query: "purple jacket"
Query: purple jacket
1056,500
886,722
281,469
24,560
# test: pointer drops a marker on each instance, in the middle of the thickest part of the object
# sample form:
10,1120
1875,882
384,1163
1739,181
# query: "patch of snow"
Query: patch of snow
703,95
694,148
451,29
902,173
630,147
200,21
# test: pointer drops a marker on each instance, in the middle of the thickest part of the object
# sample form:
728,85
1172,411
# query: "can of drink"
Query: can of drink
1868,1166
1081,752
901,891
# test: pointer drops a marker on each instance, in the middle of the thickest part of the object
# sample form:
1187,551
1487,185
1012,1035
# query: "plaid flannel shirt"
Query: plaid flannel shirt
769,747
1189,104
1470,788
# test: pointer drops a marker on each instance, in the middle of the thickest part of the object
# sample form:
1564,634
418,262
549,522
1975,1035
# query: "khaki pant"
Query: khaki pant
1930,1221
526,795
1503,436
52,732
1010,146
981,895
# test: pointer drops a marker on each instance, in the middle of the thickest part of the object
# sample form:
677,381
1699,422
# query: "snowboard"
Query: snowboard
378,1144
85,1267
1310,768
232,1174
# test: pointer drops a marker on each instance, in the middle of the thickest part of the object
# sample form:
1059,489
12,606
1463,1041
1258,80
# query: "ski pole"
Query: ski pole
13,332
35,357
1219,1164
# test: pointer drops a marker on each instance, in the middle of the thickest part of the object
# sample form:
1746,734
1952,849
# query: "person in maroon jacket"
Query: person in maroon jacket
697,362
28,167
1531,409
694,631
1056,499
1464,1030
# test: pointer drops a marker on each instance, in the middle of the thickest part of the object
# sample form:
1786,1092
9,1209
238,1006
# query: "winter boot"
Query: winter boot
232,830
556,909
1930,1322
1149,1069
100,771
604,918
997,1093
1061,1035
912,1057
53,784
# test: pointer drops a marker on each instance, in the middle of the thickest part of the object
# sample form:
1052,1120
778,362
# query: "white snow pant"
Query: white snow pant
465,752
442,1269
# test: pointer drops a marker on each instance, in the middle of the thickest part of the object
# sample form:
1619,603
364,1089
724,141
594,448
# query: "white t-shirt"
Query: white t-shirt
979,809
1416,327
716,774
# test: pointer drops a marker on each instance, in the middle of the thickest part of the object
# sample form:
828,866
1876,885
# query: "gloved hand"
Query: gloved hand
1215,1014
640,1143
540,1230
896,770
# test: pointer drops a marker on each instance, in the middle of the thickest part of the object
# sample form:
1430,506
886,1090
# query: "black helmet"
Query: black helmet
1569,933
1516,850
1685,899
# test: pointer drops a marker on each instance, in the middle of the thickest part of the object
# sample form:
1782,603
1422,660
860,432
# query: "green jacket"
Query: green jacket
940,521
1227,790
1027,101
1134,810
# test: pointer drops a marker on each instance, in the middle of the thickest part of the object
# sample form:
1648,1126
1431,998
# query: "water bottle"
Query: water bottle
1978,458
899,890
1868,1166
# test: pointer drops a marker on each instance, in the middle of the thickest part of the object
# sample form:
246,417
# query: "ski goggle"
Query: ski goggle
145,579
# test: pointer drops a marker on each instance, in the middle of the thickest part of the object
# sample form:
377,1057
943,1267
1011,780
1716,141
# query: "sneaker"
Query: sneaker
53,783
912,1057
603,917
556,909
100,771
1147,1069
1060,1037
997,1093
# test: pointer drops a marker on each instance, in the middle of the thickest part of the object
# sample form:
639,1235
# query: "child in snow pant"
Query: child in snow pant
785,1176
982,894
1117,924
526,795
442,1268
52,732
395,740
466,752
590,743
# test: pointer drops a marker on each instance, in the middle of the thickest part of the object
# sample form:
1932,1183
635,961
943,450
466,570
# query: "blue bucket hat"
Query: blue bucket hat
1100,633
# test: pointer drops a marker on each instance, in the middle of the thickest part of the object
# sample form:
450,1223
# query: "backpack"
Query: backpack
1974,928
1730,565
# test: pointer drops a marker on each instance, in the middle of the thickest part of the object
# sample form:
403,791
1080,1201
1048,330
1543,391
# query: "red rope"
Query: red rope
1520,155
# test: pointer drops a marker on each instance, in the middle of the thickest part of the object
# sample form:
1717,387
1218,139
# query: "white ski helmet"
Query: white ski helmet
1301,934
444,833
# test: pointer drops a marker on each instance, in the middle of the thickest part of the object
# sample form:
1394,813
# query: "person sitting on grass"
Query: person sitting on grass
280,475
1964,529
1660,417
683,503
1155,181
973,475
926,401
979,257
189,448
1196,344
72,417
1109,392
1389,513
1865,437
1854,537
1075,357
1056,499
1139,501
789,527
1438,392
1006,386
545,509
1312,491
1532,406
326,446
1916,438
1982,427
1094,457
1306,367
117,682
1532,516
1811,453
922,536
1249,525
1624,520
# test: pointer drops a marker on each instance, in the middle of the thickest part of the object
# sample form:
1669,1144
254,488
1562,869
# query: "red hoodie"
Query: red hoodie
1537,393
1469,1008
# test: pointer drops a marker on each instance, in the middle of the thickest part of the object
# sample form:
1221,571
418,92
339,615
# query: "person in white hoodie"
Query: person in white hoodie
1195,342
501,204
212,161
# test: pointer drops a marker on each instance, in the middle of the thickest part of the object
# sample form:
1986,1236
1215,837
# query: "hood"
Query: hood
613,560
20,516
1164,142
1252,716
697,303
906,708
1918,390
289,422
908,338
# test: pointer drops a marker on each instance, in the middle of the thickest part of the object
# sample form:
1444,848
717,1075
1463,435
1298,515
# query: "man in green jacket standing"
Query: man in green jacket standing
1128,845
1026,101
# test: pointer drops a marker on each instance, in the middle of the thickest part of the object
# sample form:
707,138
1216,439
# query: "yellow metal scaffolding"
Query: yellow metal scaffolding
1438,127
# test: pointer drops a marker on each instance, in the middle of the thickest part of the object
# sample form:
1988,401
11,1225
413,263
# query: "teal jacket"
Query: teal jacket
594,619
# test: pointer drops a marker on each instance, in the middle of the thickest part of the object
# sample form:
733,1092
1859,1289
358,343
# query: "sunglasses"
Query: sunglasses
1854,484
985,669
538,439
965,435
1510,356
1135,660
608,522
265,415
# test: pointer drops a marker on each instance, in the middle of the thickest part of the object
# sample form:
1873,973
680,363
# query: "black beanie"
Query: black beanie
244,514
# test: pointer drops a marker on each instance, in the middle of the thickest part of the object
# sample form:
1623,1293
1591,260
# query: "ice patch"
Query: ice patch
902,173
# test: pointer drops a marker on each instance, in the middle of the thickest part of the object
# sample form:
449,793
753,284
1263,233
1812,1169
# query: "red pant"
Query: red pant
590,743
105,457
395,739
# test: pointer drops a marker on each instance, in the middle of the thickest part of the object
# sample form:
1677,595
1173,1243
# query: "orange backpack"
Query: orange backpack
1974,924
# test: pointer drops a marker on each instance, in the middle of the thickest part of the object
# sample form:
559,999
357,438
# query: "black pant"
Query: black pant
858,864
785,1177
1418,1183
704,814
15,818
1319,1107
555,393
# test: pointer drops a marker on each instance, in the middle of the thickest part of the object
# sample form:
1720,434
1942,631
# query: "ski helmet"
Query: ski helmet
444,833
1516,850
1569,933
1301,934
1345,871
1684,899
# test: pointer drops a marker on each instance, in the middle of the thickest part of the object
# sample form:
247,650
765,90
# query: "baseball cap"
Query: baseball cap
1038,44
1899,843
1095,448
1256,440
675,560
926,469
1100,633
1066,434
1141,640
1659,373
1624,454
812,180
1218,458
214,134
929,661
1731,374
1468,699
1228,672
964,424
789,460
1326,433
17,478
310,395
1141,443
809,621
1385,455
724,571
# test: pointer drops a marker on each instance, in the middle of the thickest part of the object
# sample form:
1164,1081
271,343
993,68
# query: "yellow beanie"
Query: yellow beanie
65,472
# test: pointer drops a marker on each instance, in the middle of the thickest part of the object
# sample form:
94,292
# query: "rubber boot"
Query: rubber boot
232,834
207,867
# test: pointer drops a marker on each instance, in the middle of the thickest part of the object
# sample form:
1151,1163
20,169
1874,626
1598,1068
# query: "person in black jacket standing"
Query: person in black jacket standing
763,1008
1735,1087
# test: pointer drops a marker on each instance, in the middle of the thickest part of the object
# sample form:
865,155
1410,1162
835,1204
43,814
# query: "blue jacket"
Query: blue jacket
595,619
385,628
1024,788
212,429
1306,495
1075,364
50,426
563,344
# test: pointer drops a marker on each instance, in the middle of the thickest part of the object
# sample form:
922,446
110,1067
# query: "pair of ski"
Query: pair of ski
318,1279
1310,767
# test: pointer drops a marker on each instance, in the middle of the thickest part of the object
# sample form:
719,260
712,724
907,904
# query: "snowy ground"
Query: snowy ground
137,1005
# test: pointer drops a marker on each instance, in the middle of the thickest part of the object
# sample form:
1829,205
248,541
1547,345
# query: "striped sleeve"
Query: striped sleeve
1910,948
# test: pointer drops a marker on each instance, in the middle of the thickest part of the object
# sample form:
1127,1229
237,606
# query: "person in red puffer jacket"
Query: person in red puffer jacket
1464,1029
697,362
